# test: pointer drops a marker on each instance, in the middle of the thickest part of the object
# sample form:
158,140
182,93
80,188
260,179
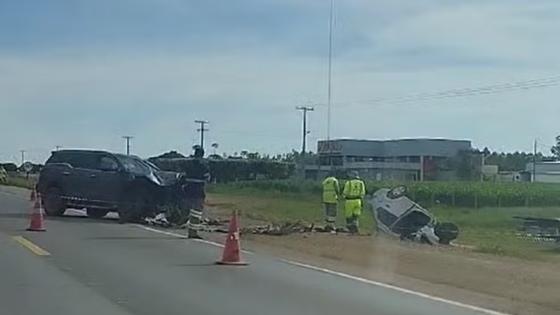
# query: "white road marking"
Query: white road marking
178,235
395,288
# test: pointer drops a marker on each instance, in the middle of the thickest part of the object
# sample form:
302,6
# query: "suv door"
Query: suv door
107,180
76,182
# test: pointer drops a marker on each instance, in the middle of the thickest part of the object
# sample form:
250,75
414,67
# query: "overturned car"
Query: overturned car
399,216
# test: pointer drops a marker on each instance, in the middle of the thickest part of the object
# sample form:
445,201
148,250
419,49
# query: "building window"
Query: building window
330,160
402,159
414,159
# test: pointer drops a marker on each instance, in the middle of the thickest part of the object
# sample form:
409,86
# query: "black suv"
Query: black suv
102,181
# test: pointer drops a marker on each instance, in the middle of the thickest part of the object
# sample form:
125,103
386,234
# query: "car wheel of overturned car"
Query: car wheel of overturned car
53,202
96,213
446,232
397,192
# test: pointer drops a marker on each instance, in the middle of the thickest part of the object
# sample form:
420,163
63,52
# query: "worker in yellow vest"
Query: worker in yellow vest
331,190
354,193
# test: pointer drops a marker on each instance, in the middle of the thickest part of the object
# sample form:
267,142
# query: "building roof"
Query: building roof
398,147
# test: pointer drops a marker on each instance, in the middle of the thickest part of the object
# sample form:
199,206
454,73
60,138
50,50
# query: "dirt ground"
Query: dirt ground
506,284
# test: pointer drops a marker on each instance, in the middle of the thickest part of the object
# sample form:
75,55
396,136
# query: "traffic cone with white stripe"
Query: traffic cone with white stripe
37,221
232,248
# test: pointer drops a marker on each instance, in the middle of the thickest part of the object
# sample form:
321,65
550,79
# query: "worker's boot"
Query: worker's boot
355,224
193,234
349,225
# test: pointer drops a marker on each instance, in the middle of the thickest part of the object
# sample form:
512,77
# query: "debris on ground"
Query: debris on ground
162,221
288,228
221,226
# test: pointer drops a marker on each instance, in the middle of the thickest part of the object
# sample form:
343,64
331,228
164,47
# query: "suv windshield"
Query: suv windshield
134,165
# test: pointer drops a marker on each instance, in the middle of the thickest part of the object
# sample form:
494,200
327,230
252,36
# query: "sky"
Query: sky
82,73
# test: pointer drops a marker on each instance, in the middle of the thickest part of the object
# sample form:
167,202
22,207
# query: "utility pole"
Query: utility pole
535,160
22,156
304,109
202,129
329,87
127,138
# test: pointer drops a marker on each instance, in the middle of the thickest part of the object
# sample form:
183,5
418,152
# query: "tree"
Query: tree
215,147
253,156
168,155
555,150
515,161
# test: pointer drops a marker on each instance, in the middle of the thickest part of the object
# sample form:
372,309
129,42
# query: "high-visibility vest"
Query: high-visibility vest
354,189
330,190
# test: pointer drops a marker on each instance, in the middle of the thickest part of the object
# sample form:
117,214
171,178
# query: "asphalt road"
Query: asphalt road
101,267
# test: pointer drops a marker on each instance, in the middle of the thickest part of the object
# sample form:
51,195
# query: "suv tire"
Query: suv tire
53,202
96,213
446,232
131,209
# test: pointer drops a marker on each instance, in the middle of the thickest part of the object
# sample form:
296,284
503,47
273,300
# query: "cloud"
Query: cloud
83,73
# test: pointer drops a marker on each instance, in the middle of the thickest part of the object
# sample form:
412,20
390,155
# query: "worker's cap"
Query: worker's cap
354,174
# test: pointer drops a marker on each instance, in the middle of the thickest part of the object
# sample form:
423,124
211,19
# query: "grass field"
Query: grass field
19,182
489,230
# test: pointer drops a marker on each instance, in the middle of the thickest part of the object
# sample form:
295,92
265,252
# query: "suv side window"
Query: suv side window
83,160
106,163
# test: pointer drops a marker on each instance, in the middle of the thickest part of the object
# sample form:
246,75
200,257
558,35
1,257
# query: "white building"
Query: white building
402,159
544,172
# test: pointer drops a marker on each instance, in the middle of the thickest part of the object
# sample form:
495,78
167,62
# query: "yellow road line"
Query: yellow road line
32,247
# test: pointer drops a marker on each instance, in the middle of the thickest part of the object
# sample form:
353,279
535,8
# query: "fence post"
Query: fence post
453,198
475,200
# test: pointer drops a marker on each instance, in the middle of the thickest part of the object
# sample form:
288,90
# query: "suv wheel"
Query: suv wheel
446,232
53,203
397,192
132,209
96,213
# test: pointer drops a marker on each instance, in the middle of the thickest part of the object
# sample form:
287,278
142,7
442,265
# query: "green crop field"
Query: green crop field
455,194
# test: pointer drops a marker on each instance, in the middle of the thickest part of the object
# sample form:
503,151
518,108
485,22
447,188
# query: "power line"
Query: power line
462,92
202,123
304,109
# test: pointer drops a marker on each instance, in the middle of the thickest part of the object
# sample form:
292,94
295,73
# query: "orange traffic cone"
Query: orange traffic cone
36,222
232,249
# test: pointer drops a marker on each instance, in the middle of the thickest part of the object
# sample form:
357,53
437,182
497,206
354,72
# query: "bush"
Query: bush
224,171
9,167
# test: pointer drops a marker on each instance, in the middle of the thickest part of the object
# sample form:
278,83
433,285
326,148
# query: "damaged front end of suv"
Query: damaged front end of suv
401,217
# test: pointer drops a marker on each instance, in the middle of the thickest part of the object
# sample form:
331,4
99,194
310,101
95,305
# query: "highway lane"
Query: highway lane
101,267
